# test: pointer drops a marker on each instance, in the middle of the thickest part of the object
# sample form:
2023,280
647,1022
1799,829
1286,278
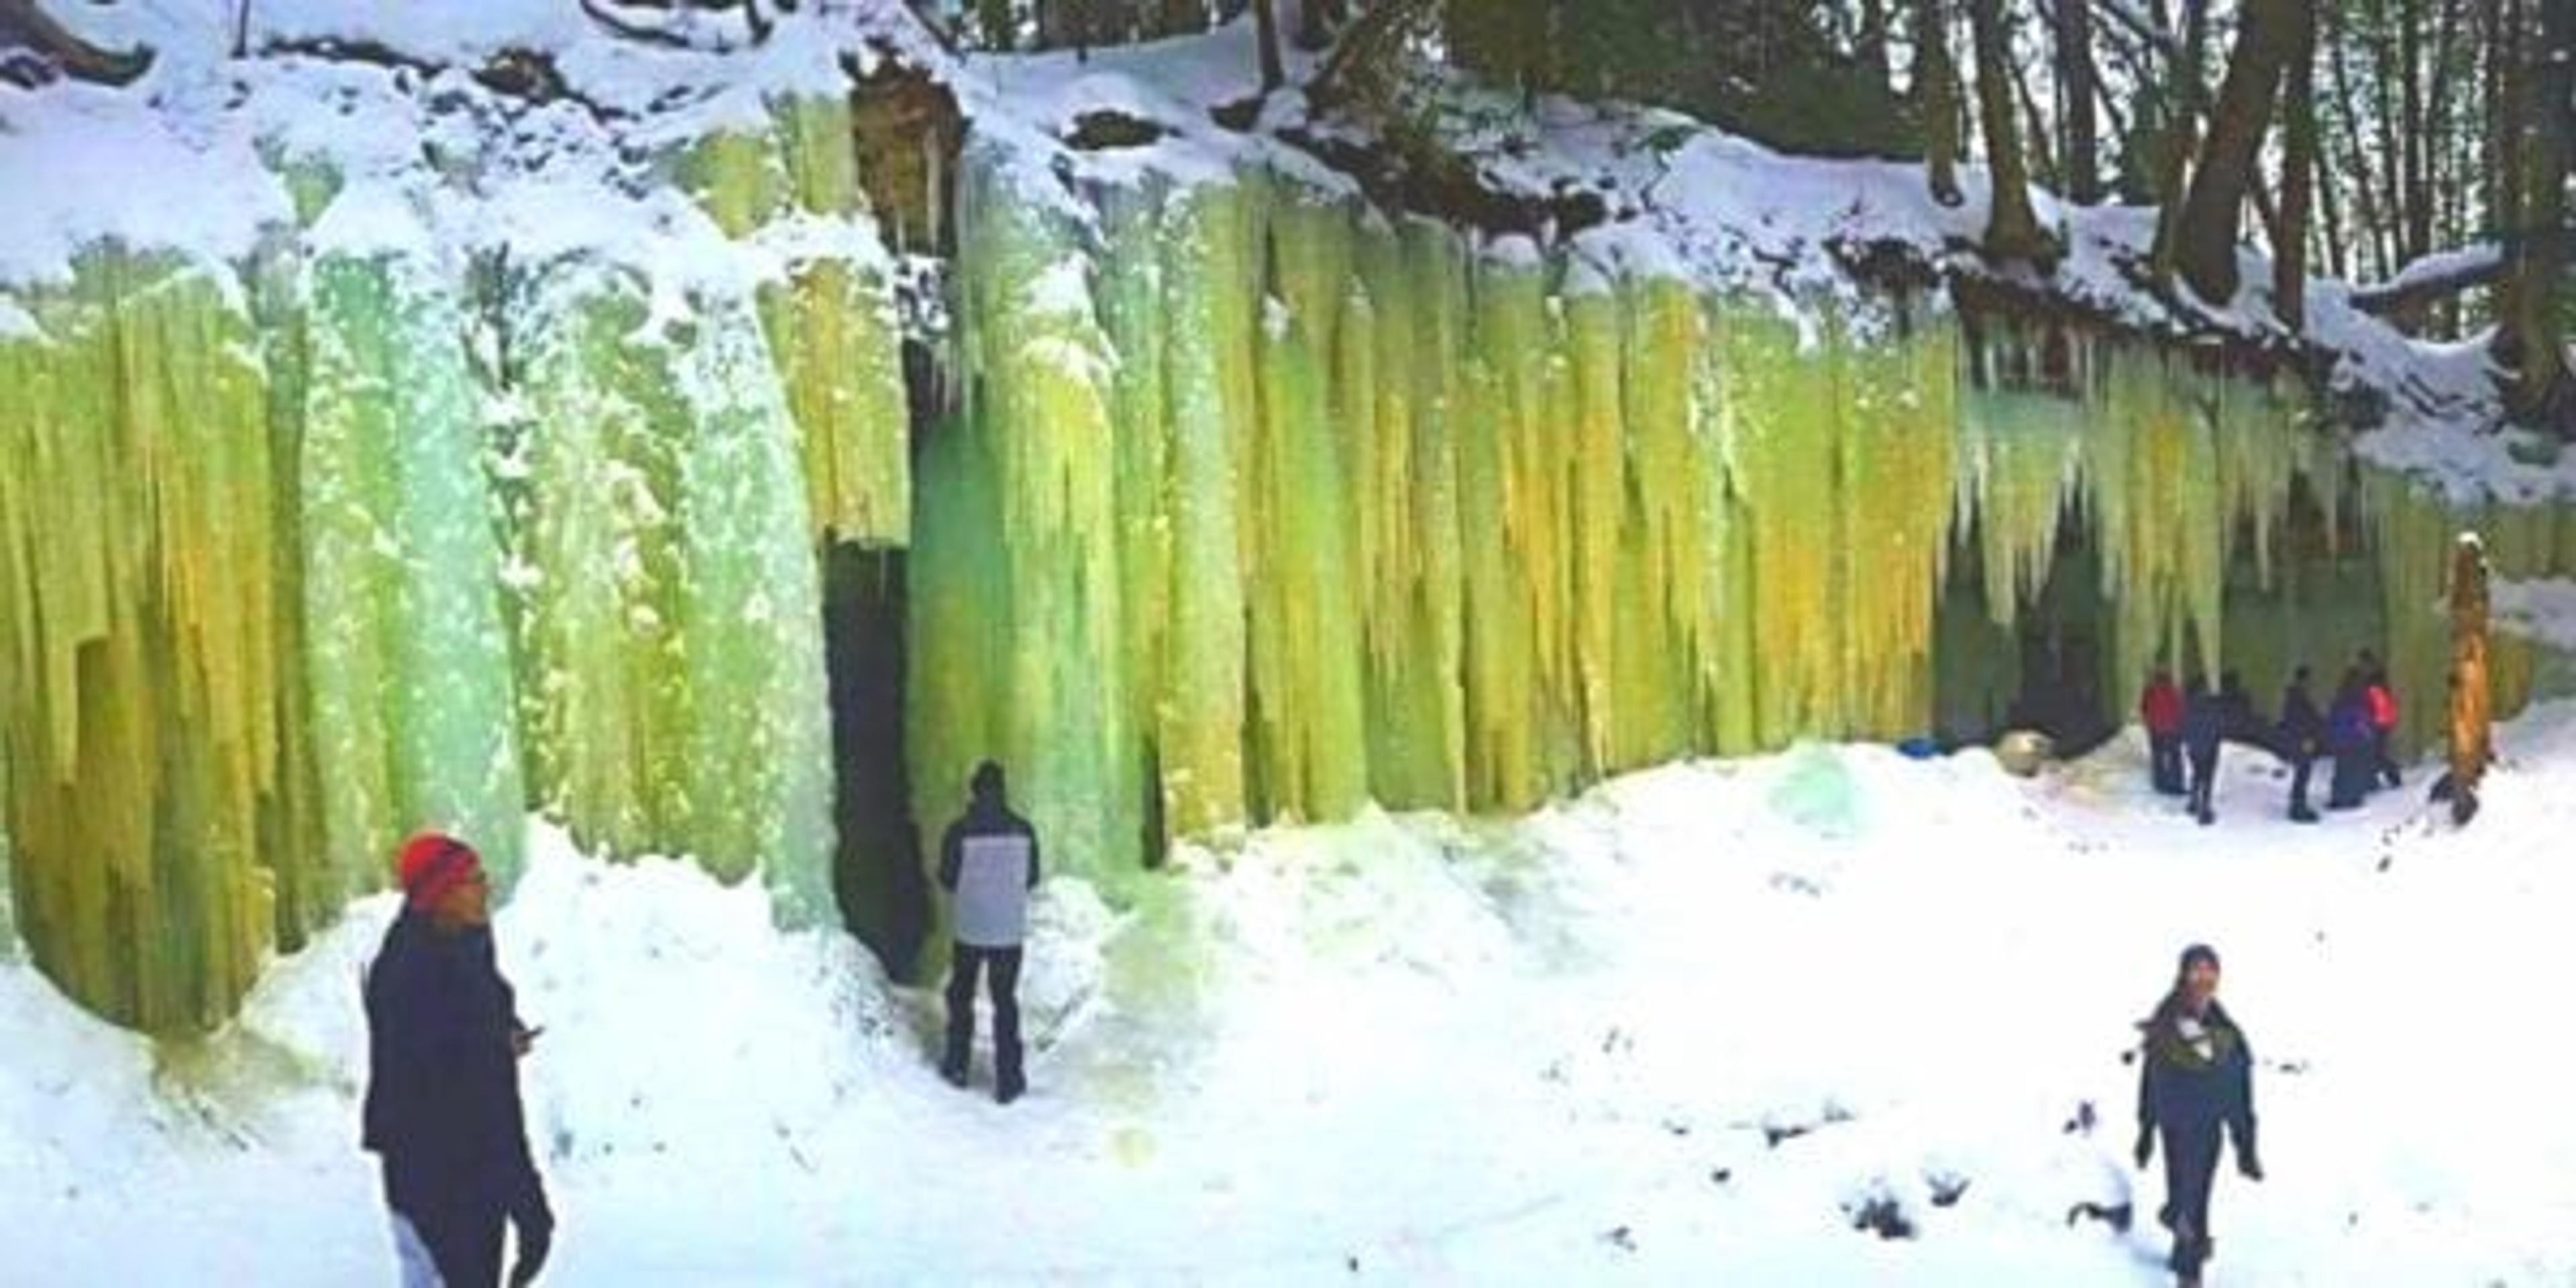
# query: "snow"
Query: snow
2439,266
1672,1031
2543,609
173,164
427,162
83,166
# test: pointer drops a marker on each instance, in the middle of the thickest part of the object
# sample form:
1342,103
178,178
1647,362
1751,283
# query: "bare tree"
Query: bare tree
2531,339
2181,127
2298,171
2012,229
2075,80
2206,250
1936,98
1265,22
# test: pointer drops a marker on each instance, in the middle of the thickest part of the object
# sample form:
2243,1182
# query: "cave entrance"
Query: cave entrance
876,869
2057,667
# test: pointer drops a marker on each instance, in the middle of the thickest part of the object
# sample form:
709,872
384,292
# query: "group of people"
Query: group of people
444,1039
2188,724
444,1114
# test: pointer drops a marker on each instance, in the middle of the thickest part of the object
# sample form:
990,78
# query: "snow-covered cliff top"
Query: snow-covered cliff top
187,160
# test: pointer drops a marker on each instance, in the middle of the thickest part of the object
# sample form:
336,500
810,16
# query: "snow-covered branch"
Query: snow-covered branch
57,50
2442,273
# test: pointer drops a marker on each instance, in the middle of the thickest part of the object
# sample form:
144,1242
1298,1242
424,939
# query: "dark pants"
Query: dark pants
2204,778
2164,762
2191,1163
466,1246
2303,762
1004,979
2387,767
2356,771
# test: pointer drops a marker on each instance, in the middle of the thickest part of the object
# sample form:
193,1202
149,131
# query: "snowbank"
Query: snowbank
1688,1027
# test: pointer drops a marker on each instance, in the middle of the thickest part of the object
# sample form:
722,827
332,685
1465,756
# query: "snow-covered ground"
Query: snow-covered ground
1678,1030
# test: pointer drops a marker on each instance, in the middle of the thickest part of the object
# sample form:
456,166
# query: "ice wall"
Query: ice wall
1255,505
393,525
152,780
793,189
670,628
1392,516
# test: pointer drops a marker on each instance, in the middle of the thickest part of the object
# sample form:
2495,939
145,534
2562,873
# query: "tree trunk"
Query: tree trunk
1179,17
2043,160
1265,23
2542,392
2392,169
1000,21
2367,259
2411,134
1873,44
1936,98
2499,21
2082,153
2298,169
2012,230
2321,176
2207,236
2472,710
2441,205
2183,105
1317,20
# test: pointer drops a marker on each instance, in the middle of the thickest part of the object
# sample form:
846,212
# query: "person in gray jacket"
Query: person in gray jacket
988,863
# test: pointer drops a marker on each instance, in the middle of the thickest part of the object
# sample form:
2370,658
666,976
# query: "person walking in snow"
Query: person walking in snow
2383,719
2204,724
988,863
2302,733
442,1107
2160,709
2195,1076
2350,738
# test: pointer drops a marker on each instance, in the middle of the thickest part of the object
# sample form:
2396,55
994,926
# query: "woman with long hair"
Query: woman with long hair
2196,1074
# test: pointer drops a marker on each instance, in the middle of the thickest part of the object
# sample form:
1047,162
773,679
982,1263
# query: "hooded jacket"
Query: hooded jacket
2187,1085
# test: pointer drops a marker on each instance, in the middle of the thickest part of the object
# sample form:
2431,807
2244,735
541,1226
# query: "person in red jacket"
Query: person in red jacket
2160,709
2383,717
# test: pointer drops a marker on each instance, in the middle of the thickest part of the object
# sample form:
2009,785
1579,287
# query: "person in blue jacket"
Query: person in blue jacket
2195,1078
442,1103
2353,742
2204,725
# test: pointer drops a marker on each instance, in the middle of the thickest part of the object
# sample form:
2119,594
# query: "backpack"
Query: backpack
2383,708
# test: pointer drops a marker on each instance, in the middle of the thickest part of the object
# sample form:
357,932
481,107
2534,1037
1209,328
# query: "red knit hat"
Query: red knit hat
434,863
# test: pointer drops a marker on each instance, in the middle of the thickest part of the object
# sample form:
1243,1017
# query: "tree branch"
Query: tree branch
2440,275
24,24
2121,12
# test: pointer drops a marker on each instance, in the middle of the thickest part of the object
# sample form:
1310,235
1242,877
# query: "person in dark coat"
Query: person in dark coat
2195,1076
442,1107
2160,709
2302,735
2204,723
2348,737
989,863
2238,720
